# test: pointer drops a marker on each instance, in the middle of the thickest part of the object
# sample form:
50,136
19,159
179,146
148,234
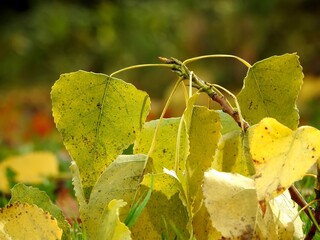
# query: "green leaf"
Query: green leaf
98,118
110,226
22,193
281,156
227,122
233,155
164,153
270,89
119,181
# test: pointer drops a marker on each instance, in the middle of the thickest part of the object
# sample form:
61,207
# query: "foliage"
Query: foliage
208,174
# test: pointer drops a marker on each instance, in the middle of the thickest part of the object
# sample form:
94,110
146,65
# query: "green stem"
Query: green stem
140,66
153,142
217,56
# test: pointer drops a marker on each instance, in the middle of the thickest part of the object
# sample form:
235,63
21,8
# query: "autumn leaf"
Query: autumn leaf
281,156
271,88
231,200
164,152
98,117
232,154
280,220
110,227
164,213
119,181
232,204
27,221
27,194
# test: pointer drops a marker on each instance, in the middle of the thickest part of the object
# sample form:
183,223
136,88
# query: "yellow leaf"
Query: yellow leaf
26,221
281,156
202,226
29,168
110,227
32,195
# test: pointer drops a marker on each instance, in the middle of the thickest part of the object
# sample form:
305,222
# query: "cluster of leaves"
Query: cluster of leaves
204,175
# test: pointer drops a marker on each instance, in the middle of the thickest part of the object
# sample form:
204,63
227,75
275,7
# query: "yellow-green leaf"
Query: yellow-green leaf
119,181
29,168
98,118
227,122
31,195
231,201
281,156
78,188
27,221
163,182
164,153
161,217
204,133
232,155
270,89
202,226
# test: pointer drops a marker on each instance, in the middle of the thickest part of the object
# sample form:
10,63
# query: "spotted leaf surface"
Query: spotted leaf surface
281,156
271,88
27,221
31,195
98,118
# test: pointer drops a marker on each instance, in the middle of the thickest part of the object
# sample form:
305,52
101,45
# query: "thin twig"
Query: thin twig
182,71
297,197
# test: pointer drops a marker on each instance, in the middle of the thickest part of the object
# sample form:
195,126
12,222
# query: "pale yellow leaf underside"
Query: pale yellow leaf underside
231,202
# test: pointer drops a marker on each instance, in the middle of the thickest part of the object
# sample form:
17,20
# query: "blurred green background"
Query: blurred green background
42,39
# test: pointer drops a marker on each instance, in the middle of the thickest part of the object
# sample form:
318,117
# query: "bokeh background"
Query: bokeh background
39,40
